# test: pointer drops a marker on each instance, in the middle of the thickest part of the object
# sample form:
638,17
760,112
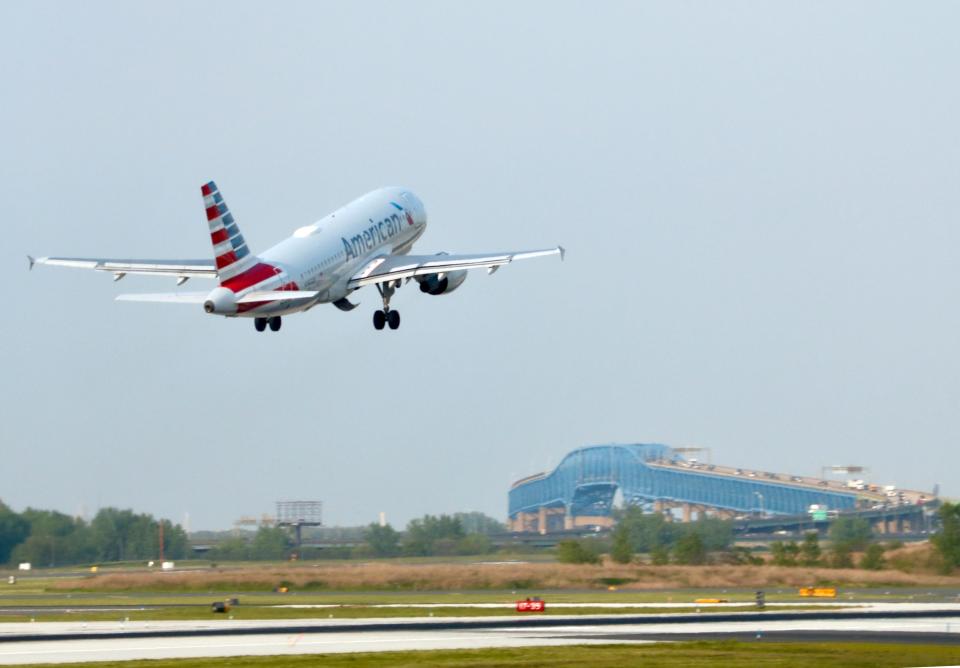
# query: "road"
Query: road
70,642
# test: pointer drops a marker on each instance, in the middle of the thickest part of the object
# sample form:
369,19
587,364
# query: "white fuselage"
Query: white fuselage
322,257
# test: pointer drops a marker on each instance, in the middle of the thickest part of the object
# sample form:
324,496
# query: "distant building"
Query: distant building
580,491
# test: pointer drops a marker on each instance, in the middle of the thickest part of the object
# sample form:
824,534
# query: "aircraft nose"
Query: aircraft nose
419,210
414,206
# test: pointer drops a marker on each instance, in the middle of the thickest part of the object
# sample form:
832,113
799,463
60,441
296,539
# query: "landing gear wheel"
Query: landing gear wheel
275,323
260,324
386,316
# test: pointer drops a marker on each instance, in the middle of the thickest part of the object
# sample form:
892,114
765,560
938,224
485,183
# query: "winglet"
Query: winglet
563,252
32,261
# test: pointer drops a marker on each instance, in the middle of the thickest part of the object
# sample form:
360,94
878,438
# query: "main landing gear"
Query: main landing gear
386,316
382,318
261,323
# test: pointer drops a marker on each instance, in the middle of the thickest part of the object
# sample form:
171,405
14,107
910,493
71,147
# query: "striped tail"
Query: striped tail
229,247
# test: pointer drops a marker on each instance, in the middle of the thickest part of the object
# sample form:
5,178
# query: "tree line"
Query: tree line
427,536
433,535
848,535
947,541
51,538
666,542
852,543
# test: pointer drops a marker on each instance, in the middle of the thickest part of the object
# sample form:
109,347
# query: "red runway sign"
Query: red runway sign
535,605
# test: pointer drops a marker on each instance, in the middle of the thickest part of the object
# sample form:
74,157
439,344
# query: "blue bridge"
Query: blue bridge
580,491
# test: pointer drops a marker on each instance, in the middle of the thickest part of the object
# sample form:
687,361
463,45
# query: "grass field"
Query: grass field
9,597
42,596
433,576
58,605
352,587
347,612
50,607
663,655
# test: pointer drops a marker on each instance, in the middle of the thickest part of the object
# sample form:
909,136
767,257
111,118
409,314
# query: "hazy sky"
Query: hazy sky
760,203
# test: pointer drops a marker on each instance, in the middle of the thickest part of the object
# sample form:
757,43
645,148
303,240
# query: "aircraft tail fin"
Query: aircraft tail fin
229,247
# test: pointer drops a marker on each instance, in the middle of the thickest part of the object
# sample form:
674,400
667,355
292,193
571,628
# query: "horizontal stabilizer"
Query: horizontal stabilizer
201,297
167,297
190,268
278,296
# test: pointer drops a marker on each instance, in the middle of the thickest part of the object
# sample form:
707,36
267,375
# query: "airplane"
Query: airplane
366,242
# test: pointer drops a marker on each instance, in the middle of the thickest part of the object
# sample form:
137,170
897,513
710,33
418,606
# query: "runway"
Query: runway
71,642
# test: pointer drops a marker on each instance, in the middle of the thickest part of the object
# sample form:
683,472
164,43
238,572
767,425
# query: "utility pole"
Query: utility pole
160,525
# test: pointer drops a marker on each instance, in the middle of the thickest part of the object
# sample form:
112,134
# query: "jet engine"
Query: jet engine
442,283
221,301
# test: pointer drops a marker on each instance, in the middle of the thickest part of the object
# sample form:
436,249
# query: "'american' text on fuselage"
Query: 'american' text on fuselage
378,233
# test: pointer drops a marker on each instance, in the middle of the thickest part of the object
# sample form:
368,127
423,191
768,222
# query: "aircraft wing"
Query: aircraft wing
178,268
393,267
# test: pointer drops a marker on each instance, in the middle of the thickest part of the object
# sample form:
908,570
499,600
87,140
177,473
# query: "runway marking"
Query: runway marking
357,640
349,636
734,604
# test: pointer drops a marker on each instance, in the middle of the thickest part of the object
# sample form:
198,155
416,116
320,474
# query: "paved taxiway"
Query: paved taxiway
76,642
